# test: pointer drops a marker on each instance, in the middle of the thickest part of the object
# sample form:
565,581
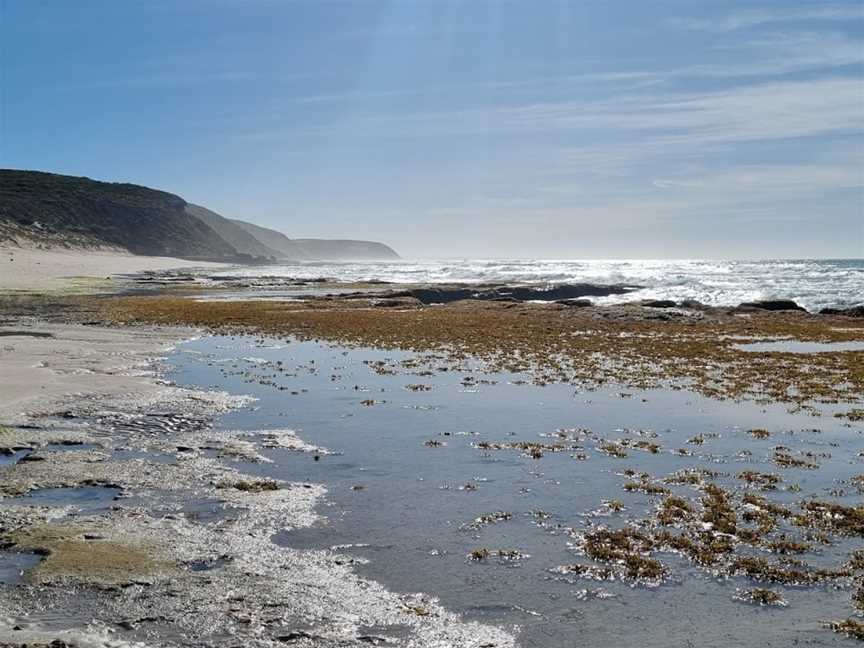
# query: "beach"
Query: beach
354,468
28,269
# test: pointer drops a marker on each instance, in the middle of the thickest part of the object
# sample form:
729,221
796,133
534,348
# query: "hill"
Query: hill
52,210
319,249
275,240
232,233
346,250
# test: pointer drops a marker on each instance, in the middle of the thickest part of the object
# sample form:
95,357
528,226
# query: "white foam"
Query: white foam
812,283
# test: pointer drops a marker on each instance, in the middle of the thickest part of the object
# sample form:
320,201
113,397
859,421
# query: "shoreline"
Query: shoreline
105,418
102,385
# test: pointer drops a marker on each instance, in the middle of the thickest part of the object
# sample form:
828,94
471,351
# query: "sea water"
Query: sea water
812,283
404,507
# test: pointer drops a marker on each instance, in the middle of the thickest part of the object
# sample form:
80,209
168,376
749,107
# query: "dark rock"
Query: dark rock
395,303
855,311
772,305
575,303
693,304
449,294
659,303
294,636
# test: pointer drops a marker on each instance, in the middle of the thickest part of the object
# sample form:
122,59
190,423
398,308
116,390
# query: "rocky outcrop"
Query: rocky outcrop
659,303
772,305
854,311
564,293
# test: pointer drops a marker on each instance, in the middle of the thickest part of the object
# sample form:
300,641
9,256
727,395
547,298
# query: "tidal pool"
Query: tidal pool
86,499
13,564
419,455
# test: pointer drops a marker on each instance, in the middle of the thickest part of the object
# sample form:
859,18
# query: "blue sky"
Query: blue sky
474,128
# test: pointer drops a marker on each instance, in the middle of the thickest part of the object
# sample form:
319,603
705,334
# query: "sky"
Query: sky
472,128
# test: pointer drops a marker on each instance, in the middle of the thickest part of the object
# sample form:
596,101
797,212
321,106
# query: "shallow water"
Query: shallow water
86,499
15,457
13,564
403,506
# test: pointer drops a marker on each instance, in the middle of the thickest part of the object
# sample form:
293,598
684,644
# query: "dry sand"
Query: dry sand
34,270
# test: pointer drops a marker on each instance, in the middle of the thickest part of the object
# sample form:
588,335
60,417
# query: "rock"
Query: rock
575,303
693,304
452,293
659,303
772,305
395,303
294,636
855,311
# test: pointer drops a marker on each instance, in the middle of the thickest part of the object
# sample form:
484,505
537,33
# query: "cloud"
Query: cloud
757,17
763,111
770,181
782,53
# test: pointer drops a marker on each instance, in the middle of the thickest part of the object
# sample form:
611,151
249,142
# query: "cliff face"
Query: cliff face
57,210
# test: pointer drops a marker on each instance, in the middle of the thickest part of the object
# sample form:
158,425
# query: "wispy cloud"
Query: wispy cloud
762,111
768,181
756,17
782,53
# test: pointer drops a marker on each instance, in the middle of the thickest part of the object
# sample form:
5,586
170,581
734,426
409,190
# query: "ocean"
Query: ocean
423,478
812,283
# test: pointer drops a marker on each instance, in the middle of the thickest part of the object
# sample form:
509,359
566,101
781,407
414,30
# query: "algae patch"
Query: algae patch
79,553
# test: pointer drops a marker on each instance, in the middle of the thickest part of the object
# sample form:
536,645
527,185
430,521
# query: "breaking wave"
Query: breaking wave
812,283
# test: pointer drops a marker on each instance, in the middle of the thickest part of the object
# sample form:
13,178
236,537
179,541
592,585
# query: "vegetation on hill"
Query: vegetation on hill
47,207
52,210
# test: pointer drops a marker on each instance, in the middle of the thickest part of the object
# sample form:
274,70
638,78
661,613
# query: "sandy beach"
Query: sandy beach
25,269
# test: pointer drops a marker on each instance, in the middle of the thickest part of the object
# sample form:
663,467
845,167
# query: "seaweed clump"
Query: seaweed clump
761,596
830,516
626,552
852,628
